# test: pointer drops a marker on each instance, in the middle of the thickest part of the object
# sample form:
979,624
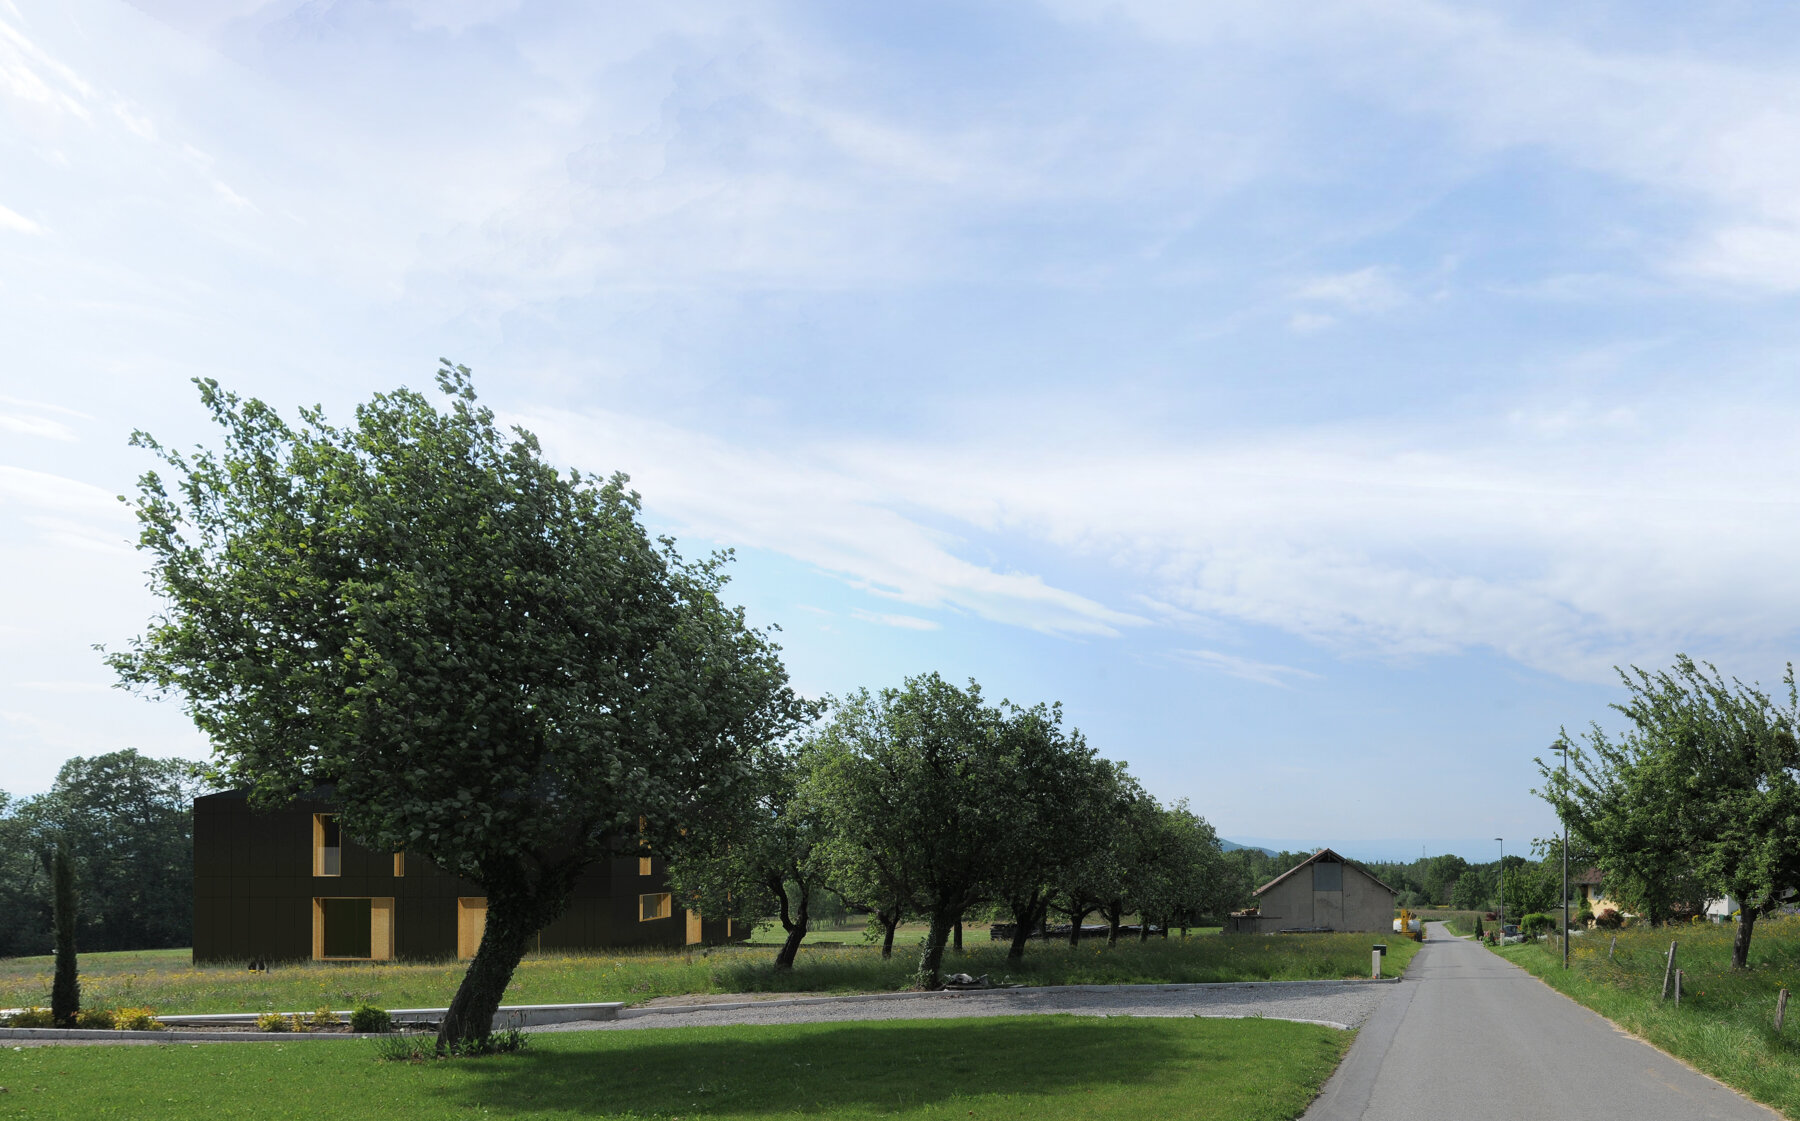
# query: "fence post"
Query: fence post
1613,946
1669,971
1780,1008
1375,964
1678,988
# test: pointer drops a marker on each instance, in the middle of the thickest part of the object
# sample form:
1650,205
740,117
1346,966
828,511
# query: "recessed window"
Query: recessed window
643,866
1328,877
328,846
399,864
658,906
353,929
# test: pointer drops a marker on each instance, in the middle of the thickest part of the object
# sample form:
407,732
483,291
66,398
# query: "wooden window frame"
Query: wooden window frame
665,906
381,927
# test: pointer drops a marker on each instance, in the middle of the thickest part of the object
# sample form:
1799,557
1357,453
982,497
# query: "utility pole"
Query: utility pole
1501,880
1564,749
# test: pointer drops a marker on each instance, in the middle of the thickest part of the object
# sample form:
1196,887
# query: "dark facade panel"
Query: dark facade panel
254,887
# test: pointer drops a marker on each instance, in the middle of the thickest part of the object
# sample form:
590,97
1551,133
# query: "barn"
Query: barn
1324,892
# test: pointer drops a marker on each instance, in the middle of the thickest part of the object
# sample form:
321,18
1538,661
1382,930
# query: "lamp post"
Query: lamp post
1563,749
1501,880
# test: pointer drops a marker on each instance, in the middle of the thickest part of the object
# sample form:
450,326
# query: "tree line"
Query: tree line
125,822
925,801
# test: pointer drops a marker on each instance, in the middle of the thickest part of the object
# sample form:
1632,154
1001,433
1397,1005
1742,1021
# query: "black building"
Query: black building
285,885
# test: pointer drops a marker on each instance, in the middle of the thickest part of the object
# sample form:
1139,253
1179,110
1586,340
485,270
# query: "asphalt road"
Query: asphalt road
1472,1037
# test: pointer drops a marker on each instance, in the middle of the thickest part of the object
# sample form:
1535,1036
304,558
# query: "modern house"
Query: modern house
1324,892
286,885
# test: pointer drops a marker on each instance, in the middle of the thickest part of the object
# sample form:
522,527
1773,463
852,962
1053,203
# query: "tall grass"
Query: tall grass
174,986
1725,1025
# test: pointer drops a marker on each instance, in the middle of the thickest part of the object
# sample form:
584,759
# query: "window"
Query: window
658,906
1328,877
355,929
643,866
328,846
399,864
471,924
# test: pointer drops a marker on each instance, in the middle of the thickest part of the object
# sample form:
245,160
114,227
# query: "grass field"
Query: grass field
1725,1025
166,981
1461,923
1049,1068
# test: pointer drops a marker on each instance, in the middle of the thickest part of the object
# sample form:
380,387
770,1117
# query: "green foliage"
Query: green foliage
367,1019
1696,800
137,1019
491,663
32,1017
1479,930
421,1048
323,1017
1584,917
273,1021
1050,1068
1536,924
65,990
99,1018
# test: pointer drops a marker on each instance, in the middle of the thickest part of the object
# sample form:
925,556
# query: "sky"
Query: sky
1317,400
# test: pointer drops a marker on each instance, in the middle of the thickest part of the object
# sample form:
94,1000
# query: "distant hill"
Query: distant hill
1233,846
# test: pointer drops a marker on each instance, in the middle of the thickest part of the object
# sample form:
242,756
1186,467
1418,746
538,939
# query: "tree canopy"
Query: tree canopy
490,663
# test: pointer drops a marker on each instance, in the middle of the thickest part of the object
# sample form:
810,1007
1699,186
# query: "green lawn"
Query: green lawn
1725,1025
1048,1068
166,981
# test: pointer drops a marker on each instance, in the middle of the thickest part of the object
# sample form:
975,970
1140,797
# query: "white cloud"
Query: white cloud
36,426
904,622
43,490
1248,669
18,223
1370,289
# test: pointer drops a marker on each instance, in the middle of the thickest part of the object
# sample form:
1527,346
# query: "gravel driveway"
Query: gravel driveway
1340,1004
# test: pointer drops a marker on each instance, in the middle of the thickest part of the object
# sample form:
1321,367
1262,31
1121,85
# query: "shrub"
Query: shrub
1479,930
33,1017
101,1018
1536,924
137,1019
323,1017
1609,920
272,1021
367,1018
418,1048
1584,917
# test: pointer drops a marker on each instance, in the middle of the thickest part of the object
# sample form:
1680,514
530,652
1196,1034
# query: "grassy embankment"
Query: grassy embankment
1049,1068
1725,1025
166,981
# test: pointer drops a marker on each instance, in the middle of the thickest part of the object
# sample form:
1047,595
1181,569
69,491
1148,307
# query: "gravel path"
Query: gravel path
1337,1003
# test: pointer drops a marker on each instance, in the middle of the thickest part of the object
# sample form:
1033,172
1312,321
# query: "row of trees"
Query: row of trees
1697,799
126,823
925,800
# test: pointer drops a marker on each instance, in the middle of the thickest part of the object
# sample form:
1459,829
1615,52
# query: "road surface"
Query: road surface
1468,1036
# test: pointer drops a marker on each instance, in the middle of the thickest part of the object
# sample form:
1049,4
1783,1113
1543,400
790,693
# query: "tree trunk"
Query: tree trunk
888,922
1024,918
1076,918
956,935
1740,944
519,905
794,925
1113,912
65,989
1143,929
931,961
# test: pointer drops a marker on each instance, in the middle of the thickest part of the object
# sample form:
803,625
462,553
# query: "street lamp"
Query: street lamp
1563,749
1501,880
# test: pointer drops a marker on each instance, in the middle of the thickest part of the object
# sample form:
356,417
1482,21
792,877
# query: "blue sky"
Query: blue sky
1318,400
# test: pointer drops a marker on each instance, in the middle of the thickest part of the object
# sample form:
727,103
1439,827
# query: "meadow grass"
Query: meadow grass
167,982
1725,1025
1050,1068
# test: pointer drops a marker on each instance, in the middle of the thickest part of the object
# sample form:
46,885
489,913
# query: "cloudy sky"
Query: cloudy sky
1317,399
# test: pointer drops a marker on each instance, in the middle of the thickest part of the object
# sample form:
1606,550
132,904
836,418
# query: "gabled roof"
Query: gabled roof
1591,876
1315,858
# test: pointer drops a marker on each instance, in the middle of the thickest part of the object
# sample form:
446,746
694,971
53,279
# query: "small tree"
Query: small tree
487,662
65,989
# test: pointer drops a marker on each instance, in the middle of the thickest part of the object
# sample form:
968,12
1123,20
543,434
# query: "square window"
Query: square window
1328,877
658,906
348,928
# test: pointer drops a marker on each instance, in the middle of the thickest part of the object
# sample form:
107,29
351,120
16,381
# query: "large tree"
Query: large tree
909,787
1702,789
489,663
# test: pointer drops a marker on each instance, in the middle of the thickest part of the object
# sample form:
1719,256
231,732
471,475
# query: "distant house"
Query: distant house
1590,892
285,884
1324,892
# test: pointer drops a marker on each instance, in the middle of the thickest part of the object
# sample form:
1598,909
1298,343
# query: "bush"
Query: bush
366,1018
1479,931
1535,924
137,1019
1584,917
101,1018
323,1017
1608,920
33,1017
273,1021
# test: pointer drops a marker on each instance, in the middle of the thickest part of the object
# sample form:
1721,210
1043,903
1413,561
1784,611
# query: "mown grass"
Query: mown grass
1725,1025
165,981
1049,1068
1461,923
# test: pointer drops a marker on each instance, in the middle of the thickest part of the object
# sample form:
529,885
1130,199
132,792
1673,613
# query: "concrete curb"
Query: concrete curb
953,994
